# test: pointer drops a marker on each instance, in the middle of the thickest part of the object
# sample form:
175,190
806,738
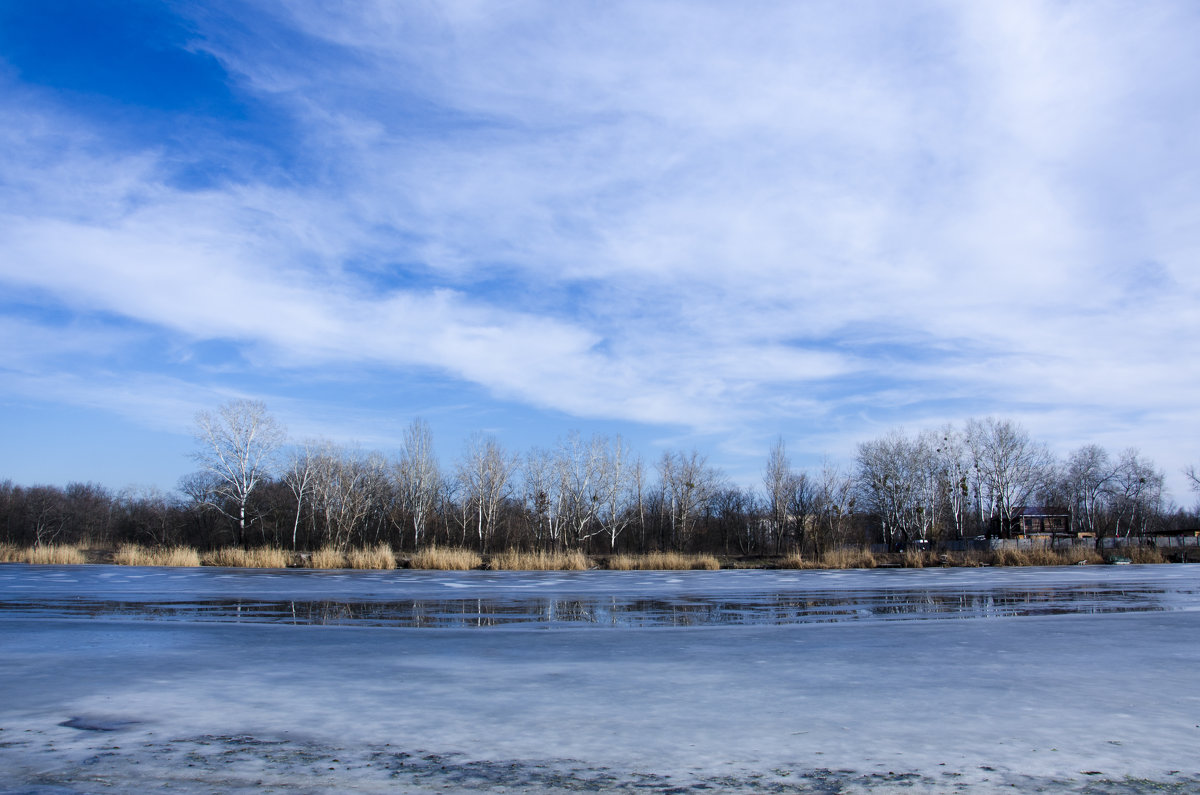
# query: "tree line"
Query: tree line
253,486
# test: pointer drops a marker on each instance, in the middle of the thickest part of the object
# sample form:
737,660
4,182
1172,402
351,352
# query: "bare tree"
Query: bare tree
801,506
418,478
687,483
299,476
543,496
616,488
237,447
456,506
1136,493
1088,476
897,477
930,491
834,505
580,468
485,474
734,514
89,509
953,462
1013,467
201,490
638,486
778,486
349,493
47,512
147,514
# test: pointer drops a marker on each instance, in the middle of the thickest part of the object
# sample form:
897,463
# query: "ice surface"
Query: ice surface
1077,701
584,599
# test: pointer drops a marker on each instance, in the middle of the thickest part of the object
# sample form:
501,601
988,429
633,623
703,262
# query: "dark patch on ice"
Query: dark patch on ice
93,724
238,763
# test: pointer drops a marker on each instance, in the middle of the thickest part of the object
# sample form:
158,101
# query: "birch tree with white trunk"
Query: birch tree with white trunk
580,466
954,465
238,443
299,476
777,483
616,489
542,493
418,478
485,476
1135,491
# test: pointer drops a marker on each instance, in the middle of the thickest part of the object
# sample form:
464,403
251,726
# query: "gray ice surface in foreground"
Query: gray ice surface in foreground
1064,701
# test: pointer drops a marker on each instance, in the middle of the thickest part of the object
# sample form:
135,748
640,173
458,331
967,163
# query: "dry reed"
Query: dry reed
137,555
1144,555
847,558
445,559
1043,556
379,556
1082,556
1009,557
516,560
54,554
969,559
918,559
259,558
662,561
133,555
621,563
795,560
327,557
11,554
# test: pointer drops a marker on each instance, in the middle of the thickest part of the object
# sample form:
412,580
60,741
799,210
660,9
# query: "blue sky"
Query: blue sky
691,224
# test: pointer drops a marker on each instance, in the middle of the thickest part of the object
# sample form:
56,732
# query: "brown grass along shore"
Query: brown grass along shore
382,557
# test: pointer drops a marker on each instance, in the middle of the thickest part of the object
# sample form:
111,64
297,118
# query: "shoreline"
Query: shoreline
382,557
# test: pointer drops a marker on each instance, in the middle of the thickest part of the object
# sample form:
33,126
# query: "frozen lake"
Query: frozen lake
599,599
1079,679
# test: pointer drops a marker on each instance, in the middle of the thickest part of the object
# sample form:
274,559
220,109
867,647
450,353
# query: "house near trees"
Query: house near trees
1042,521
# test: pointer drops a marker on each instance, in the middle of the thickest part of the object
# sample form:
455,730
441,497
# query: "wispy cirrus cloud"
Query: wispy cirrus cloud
814,220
